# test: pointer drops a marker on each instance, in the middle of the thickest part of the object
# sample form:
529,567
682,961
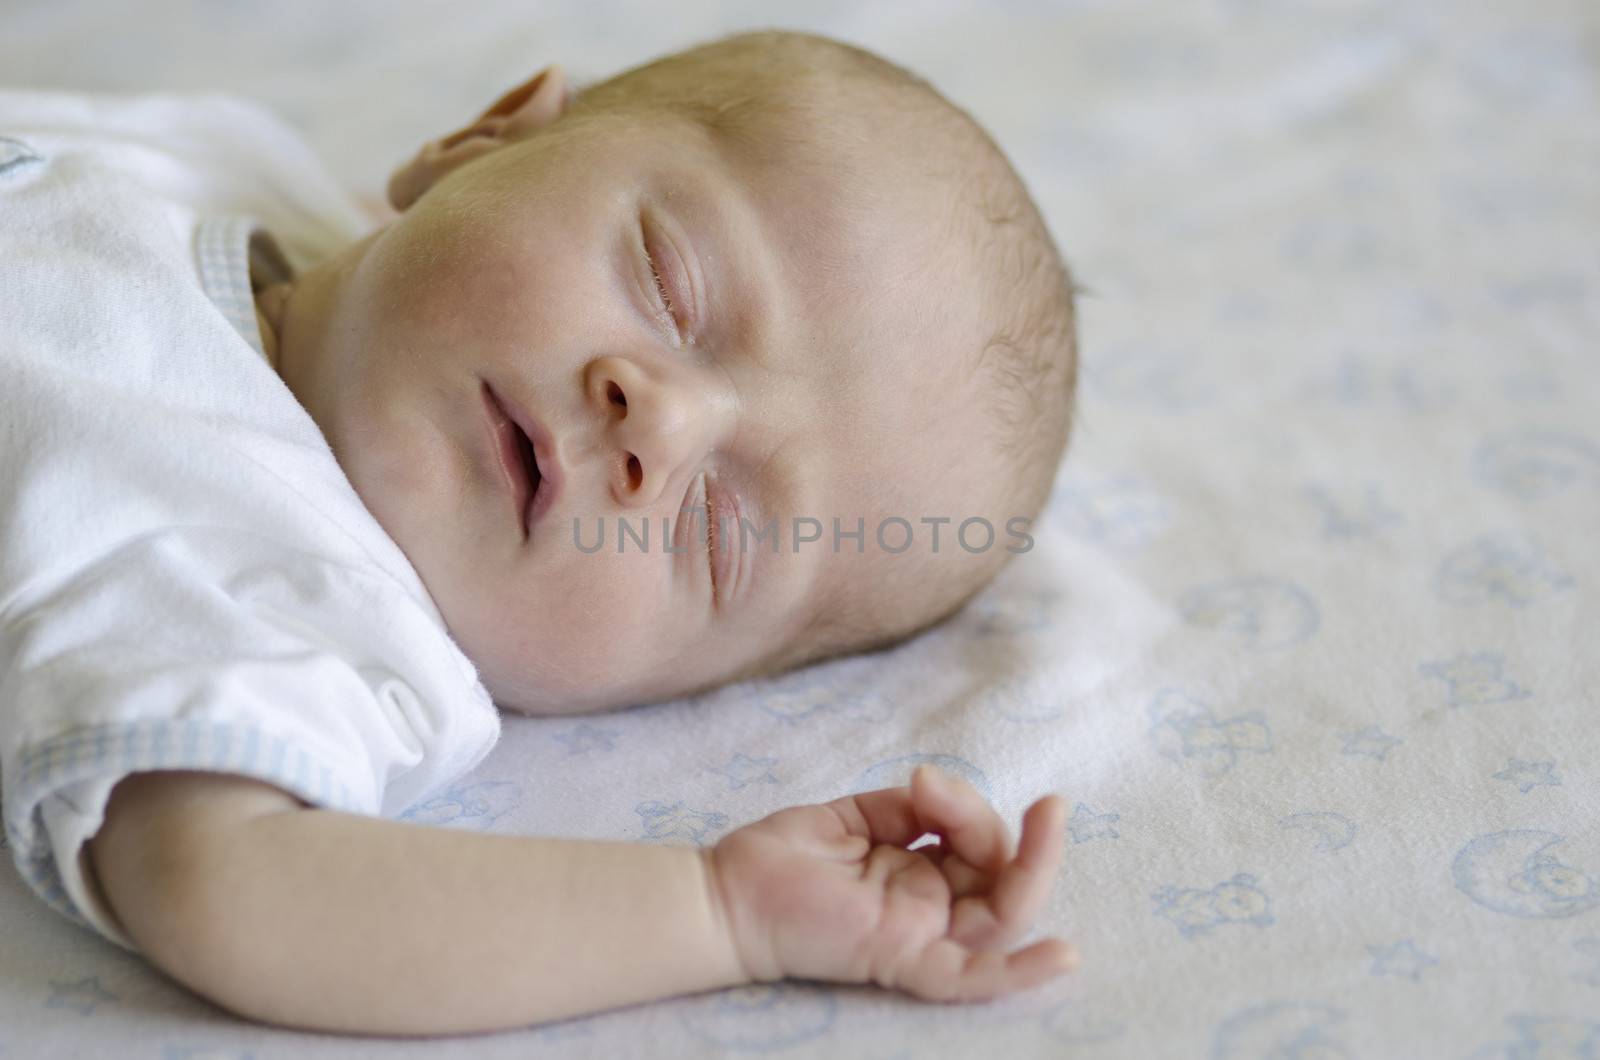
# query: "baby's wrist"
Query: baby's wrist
728,922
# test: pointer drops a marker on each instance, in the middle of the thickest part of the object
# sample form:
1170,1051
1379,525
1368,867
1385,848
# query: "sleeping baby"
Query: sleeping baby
748,358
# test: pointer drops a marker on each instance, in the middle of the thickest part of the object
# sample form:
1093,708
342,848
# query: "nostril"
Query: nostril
614,392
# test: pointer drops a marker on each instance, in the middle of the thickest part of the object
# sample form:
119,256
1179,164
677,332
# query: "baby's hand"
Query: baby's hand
831,892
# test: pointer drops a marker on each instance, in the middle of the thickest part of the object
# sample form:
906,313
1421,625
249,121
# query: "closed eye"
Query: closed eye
655,274
663,287
673,273
711,542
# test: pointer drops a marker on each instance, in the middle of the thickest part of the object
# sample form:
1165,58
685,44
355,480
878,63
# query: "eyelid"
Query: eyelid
711,539
650,285
663,248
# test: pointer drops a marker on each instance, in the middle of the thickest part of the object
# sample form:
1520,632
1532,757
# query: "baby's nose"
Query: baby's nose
657,425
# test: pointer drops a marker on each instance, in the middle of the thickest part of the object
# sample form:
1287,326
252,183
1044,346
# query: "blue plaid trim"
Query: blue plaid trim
222,255
120,748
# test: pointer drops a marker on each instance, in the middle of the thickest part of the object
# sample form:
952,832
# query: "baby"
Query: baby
750,357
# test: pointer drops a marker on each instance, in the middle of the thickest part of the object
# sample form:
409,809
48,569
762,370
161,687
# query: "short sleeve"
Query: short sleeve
214,649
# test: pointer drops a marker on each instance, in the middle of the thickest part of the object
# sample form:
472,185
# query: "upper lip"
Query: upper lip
534,489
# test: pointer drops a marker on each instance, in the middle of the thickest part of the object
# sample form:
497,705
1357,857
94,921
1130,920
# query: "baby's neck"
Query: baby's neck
269,311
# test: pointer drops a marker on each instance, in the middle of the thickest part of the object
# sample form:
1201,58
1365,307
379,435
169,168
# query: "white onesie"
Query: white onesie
187,578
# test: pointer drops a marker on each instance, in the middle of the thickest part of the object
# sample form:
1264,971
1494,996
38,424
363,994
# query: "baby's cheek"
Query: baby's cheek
428,275
600,624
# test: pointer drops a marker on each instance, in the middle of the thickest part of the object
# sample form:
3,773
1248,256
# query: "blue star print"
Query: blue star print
742,770
1529,775
1370,741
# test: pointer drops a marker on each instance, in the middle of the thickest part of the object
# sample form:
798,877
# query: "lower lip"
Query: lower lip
503,434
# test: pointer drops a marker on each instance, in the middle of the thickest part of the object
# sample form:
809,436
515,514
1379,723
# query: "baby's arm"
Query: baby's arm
333,921
338,922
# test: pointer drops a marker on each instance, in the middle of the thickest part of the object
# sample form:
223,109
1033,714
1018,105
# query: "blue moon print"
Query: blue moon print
1332,831
1525,873
1534,464
1281,1029
897,771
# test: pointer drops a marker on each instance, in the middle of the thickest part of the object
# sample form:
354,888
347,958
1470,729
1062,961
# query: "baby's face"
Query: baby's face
674,322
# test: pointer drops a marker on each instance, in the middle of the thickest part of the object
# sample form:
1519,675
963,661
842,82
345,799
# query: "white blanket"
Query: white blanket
1308,640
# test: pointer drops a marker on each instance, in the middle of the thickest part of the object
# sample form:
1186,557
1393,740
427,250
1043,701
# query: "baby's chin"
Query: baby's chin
585,695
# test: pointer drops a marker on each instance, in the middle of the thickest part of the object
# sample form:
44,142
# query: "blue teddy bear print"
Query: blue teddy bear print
1199,912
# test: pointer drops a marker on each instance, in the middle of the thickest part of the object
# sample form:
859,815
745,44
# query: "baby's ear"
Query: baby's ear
531,105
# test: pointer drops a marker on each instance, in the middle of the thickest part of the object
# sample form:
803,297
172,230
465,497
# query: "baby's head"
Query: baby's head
774,272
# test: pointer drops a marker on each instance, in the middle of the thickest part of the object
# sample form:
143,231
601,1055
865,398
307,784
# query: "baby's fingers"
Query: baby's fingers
1022,886
947,971
967,825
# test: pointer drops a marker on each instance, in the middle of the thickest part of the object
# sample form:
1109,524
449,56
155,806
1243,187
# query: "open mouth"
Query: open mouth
519,463
530,462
